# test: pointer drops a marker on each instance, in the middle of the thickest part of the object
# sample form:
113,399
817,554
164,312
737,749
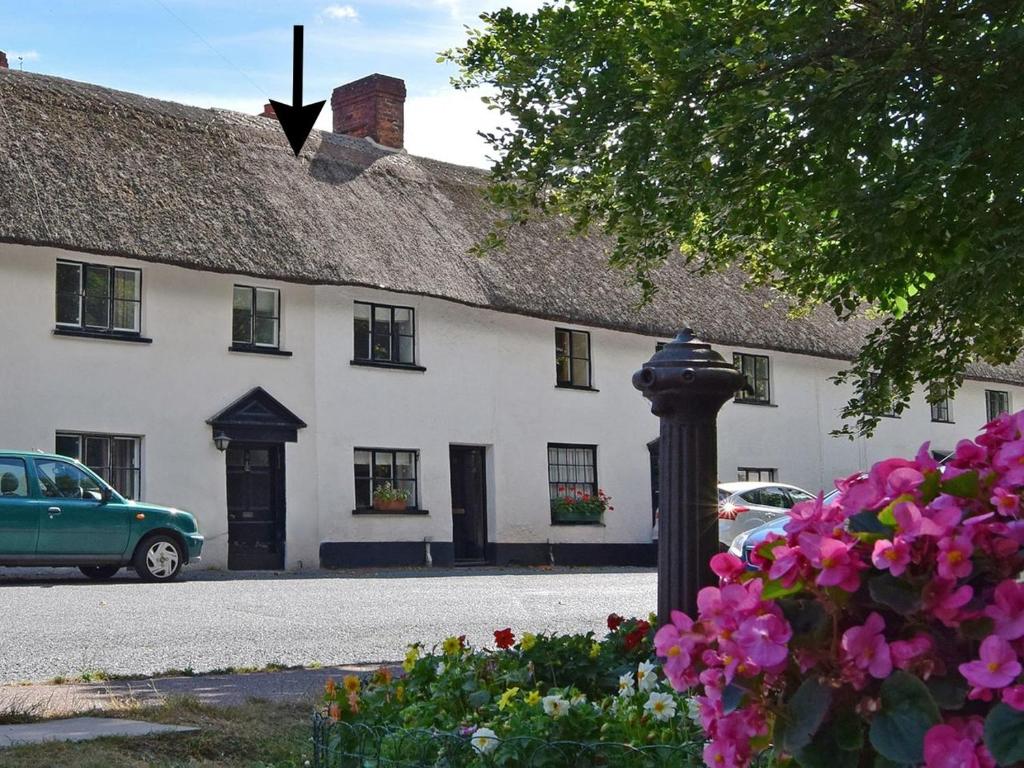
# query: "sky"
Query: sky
236,54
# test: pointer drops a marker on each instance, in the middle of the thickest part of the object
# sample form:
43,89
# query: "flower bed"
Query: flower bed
883,629
533,700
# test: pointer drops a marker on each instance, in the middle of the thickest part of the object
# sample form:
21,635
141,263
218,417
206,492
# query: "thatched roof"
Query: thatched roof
101,171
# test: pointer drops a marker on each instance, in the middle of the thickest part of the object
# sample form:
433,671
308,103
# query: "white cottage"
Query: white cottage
212,323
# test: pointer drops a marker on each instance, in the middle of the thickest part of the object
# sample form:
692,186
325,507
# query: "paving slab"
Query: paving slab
82,729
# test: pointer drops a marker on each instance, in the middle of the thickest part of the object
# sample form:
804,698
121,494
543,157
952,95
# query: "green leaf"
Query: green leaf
824,751
966,486
929,489
868,522
949,693
774,589
849,731
804,616
803,715
907,712
895,593
1004,734
479,699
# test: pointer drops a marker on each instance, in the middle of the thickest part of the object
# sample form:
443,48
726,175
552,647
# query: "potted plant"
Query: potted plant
387,498
573,505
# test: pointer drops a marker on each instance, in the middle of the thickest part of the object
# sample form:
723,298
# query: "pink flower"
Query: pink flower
727,566
786,565
997,666
969,453
839,568
1006,503
944,747
893,556
865,646
912,521
676,643
764,638
905,652
1014,696
1009,459
1007,610
945,601
955,557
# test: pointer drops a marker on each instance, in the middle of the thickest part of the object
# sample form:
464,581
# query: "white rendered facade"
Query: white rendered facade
489,381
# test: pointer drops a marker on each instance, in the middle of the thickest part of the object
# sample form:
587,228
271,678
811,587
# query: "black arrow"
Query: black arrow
297,120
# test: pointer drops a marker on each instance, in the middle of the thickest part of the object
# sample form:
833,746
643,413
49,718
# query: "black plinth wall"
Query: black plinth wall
687,383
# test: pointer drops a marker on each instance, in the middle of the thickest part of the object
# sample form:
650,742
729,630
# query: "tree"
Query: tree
864,154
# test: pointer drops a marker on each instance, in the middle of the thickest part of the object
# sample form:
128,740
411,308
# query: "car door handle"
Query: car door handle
53,511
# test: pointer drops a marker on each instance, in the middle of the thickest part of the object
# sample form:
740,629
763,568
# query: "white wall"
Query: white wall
490,381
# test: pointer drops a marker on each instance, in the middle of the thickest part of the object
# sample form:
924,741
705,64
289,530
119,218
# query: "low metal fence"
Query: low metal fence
360,745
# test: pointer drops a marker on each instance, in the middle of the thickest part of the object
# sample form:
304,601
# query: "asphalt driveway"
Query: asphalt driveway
56,623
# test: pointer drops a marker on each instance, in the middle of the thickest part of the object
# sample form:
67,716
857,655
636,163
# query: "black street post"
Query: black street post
687,383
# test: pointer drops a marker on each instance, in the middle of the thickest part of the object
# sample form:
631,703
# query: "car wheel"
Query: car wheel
99,572
158,558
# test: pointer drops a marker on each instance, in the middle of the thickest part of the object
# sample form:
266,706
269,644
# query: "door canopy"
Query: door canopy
257,417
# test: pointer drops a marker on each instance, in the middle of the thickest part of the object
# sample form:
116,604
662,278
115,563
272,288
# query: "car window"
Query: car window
61,480
796,496
13,478
768,497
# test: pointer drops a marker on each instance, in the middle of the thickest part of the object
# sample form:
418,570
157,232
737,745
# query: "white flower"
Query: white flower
439,669
484,741
626,684
693,710
662,706
579,698
555,706
646,676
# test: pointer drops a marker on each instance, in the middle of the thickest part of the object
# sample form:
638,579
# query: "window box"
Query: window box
394,505
567,514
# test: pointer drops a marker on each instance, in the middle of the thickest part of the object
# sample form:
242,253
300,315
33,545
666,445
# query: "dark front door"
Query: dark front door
255,506
469,503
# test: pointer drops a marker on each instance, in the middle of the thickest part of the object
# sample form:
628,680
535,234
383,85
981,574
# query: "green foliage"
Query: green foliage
849,154
897,594
1004,734
907,712
803,715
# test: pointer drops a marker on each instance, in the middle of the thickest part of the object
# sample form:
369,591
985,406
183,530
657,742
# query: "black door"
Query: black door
469,504
255,506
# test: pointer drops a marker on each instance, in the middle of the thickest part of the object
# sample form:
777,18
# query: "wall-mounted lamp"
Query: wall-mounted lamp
222,441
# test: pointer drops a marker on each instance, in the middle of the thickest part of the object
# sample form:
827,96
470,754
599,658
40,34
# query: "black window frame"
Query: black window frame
394,358
743,474
941,412
554,484
252,345
572,358
109,473
413,503
81,327
990,412
748,394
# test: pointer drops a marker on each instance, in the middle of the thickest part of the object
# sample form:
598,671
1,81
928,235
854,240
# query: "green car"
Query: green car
56,512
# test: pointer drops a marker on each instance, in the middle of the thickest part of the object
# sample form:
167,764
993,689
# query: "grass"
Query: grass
99,675
259,734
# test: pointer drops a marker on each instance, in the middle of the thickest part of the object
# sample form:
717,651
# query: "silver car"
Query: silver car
746,505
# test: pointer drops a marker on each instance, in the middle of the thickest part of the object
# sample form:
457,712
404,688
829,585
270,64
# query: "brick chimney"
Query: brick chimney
268,111
3,60
373,107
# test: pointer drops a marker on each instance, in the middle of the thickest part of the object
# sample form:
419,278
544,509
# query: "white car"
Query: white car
746,505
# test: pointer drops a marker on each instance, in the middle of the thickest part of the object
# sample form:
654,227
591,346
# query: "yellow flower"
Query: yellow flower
451,646
507,697
410,658
400,693
595,650
533,697
351,683
527,641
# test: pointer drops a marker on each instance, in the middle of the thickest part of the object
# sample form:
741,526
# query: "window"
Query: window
376,466
780,498
996,403
571,468
890,407
114,458
755,369
256,317
940,410
61,480
13,480
99,299
756,474
572,358
384,335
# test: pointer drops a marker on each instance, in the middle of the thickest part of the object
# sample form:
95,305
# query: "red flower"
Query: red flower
635,635
614,620
503,638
